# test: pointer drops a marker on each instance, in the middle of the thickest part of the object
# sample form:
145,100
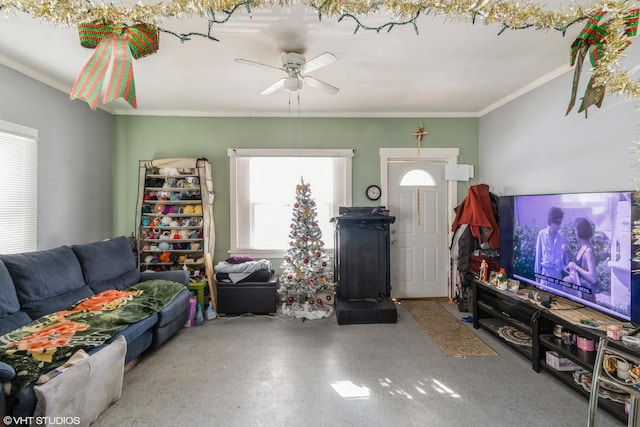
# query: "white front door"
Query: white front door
419,248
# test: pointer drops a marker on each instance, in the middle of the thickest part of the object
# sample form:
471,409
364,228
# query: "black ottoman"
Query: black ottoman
248,297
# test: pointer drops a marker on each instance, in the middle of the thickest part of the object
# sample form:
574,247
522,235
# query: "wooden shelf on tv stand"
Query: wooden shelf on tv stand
493,309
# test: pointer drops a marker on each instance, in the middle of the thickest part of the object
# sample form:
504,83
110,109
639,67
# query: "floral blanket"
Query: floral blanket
51,340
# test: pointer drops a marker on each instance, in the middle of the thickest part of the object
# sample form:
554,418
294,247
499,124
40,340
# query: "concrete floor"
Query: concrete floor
266,371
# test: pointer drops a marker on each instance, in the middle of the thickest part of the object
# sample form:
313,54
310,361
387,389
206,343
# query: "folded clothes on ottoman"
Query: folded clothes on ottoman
240,268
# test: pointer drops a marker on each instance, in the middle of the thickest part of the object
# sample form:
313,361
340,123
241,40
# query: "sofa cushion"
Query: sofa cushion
10,315
13,321
109,264
46,281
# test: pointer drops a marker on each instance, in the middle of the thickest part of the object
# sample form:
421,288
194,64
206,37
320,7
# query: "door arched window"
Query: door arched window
418,177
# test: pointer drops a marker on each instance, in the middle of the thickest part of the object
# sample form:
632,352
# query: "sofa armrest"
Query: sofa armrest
180,276
6,372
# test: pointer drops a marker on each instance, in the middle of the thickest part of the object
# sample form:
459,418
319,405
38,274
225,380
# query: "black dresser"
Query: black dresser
361,266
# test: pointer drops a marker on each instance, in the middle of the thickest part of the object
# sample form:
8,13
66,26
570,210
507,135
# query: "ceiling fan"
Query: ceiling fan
297,67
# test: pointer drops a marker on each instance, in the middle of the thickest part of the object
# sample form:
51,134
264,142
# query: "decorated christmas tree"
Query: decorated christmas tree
306,281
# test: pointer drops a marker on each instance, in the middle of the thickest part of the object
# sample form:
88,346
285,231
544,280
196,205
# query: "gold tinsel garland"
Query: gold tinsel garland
506,14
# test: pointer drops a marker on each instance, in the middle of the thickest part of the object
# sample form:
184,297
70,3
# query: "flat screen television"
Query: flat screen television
575,245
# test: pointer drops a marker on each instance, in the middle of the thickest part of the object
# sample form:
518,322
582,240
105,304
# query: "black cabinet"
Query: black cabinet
499,311
361,266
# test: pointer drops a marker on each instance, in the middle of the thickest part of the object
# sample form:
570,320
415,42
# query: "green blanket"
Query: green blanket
51,340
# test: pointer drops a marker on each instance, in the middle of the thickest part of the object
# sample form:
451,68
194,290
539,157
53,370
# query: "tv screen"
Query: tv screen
578,246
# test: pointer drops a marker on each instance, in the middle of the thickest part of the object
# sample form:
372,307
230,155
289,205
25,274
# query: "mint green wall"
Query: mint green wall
147,138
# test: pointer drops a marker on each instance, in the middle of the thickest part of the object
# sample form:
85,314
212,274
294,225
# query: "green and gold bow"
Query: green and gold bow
115,45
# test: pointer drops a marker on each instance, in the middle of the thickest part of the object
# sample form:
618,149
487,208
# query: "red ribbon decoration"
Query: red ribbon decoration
591,40
115,45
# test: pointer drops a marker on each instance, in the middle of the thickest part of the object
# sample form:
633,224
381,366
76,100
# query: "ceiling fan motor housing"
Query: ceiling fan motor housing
292,61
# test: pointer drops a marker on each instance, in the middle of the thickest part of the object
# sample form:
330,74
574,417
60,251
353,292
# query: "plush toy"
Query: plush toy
188,209
195,246
168,171
166,220
148,259
164,246
197,209
155,222
182,259
158,208
146,222
193,234
174,224
195,222
166,235
165,257
184,234
174,197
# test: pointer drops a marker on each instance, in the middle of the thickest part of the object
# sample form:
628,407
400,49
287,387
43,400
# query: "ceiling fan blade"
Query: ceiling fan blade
256,64
274,87
317,84
318,62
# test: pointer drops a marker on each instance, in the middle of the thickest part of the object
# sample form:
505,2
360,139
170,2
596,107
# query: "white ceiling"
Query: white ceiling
451,68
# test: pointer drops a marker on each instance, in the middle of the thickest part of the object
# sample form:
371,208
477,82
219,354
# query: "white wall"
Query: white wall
75,178
529,146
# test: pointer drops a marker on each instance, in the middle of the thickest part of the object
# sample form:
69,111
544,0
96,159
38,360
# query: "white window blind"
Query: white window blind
263,191
18,188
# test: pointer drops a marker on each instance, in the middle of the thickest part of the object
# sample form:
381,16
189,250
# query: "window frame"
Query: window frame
12,133
234,209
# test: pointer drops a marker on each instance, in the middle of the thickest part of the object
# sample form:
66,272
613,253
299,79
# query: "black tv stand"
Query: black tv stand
499,311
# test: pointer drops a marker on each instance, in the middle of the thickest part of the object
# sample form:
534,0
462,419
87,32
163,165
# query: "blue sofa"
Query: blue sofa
37,283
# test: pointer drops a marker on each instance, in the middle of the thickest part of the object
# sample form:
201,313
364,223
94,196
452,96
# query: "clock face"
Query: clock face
373,192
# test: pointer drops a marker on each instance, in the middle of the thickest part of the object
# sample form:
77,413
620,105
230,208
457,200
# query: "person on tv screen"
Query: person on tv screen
582,271
551,251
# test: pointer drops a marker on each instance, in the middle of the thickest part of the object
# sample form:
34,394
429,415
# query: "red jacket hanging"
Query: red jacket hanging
476,211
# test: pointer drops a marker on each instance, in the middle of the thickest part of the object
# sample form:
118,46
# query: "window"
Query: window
263,190
418,177
18,188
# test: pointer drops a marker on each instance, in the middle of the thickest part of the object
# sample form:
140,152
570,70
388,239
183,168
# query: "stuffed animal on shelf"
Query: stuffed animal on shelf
168,172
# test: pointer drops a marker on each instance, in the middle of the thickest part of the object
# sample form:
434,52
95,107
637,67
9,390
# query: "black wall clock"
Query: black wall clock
373,192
